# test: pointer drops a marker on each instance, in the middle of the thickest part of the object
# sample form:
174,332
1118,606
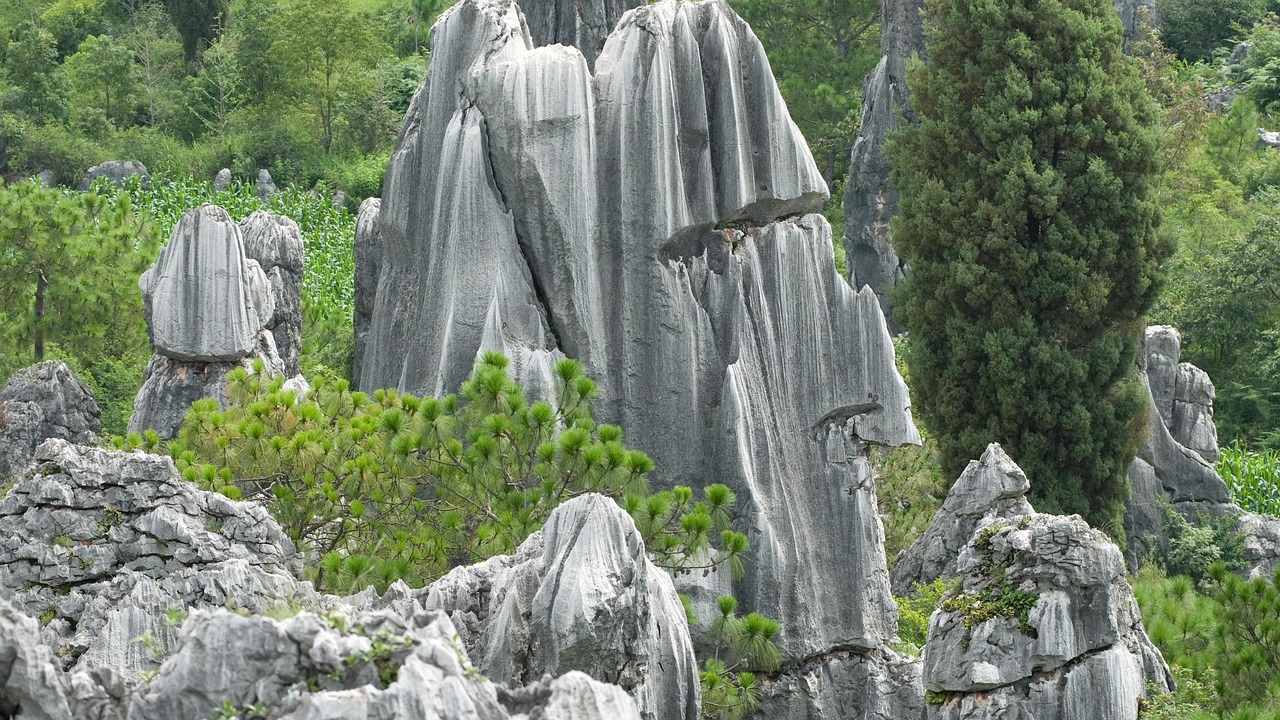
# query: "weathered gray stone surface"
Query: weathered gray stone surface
43,401
1175,463
574,23
220,296
649,220
48,178
850,685
1261,552
991,487
32,686
265,186
368,260
1136,16
580,594
424,672
275,242
1084,652
870,200
116,171
103,543
222,180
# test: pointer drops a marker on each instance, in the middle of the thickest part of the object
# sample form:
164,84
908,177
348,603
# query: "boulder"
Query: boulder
222,180
275,242
581,594
105,546
116,171
652,219
383,667
1078,648
220,296
1261,551
991,487
48,178
43,401
264,185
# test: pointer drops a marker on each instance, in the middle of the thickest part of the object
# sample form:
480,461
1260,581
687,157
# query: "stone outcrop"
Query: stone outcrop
1175,463
870,200
579,595
31,684
101,545
43,401
222,180
116,171
849,685
1136,16
989,488
1080,650
368,260
264,185
275,242
650,220
584,25
220,296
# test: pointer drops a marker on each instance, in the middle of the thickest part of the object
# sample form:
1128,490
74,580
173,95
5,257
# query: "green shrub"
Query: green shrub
910,488
1194,546
1252,477
914,611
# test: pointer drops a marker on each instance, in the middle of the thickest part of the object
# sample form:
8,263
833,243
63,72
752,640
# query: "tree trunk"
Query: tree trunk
41,285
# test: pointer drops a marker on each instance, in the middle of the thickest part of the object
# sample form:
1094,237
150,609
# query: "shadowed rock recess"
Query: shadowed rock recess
652,221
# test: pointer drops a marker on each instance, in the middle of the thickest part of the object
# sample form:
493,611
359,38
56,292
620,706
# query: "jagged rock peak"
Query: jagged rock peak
43,401
990,487
1079,651
652,221
100,544
275,242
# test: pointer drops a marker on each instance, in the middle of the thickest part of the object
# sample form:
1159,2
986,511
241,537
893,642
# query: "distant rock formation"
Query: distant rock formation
43,401
870,200
116,171
264,185
652,221
1081,650
222,180
1136,16
368,261
211,307
580,594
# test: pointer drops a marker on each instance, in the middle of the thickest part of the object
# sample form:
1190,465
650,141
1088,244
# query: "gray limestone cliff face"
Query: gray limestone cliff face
368,262
101,544
43,401
1175,463
989,488
870,200
1135,15
580,594
651,220
220,296
32,686
575,23
1083,651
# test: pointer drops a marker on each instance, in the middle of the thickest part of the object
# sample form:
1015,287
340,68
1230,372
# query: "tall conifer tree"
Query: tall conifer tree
1028,221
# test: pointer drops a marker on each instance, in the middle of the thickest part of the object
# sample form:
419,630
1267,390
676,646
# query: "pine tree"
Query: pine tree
1028,220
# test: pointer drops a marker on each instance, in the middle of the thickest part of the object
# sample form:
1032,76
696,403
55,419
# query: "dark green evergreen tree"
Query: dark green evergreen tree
199,22
1027,220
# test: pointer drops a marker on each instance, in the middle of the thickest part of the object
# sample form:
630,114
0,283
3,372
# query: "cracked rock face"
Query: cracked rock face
850,685
580,594
1082,651
991,487
650,219
368,261
100,545
43,401
220,296
31,685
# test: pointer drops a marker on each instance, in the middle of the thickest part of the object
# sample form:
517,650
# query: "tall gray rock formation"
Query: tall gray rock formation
101,544
1135,16
650,221
989,488
368,260
870,200
1079,651
43,401
580,594
1175,463
211,307
584,25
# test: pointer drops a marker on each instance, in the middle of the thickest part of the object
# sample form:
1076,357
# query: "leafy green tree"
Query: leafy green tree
71,21
159,59
69,266
1193,29
105,77
1028,220
31,67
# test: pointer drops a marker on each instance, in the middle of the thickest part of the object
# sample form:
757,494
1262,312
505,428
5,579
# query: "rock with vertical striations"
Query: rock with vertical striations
652,220
989,488
275,242
368,261
574,23
43,401
1079,651
32,686
1136,17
